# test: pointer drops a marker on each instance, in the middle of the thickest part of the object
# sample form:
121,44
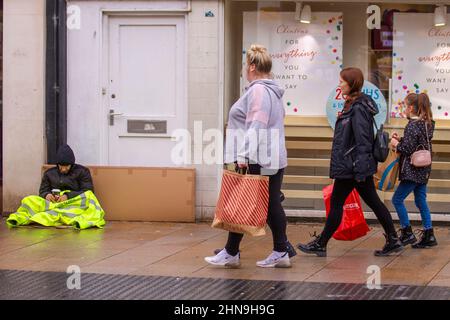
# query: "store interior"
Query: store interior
369,50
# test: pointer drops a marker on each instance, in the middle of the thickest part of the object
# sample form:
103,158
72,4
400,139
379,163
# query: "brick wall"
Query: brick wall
204,92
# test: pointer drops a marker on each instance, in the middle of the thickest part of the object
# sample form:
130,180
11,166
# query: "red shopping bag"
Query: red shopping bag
353,224
243,203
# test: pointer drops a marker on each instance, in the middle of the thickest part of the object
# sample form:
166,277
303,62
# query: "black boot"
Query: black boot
407,236
314,247
392,245
289,249
428,240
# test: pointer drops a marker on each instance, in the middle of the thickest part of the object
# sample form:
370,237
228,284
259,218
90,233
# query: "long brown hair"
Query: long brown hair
355,79
422,106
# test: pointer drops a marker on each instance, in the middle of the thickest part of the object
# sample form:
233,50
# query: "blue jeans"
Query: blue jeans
420,199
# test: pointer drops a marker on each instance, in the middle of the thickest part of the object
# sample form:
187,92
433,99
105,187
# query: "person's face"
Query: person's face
409,110
344,86
64,169
250,70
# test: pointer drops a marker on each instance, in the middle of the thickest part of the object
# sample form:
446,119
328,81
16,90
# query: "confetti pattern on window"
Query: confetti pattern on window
306,58
420,66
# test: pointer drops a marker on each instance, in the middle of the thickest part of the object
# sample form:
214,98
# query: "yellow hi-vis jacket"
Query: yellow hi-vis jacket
81,212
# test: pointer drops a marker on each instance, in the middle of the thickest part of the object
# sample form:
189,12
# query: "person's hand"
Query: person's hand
242,165
62,198
50,197
395,136
394,142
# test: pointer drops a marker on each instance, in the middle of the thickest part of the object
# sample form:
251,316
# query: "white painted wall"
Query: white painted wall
23,99
84,113
205,78
204,82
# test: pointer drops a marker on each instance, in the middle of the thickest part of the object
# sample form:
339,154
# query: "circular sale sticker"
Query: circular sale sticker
336,101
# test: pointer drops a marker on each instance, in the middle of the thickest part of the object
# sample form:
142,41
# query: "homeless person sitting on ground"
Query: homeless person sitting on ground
65,198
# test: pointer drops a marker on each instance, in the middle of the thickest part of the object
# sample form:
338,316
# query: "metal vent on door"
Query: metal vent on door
147,126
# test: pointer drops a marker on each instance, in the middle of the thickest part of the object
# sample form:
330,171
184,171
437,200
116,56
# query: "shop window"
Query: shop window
338,35
407,53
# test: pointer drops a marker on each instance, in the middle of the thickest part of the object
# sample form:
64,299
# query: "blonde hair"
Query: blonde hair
259,56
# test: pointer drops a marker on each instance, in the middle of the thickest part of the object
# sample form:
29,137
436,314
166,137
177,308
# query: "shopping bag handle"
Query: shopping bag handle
243,171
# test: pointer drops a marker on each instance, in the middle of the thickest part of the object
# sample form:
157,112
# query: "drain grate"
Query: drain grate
16,284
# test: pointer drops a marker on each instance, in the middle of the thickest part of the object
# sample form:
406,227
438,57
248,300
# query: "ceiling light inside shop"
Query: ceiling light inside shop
440,16
298,9
306,14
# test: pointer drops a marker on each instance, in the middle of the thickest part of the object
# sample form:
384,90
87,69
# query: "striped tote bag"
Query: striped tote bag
243,203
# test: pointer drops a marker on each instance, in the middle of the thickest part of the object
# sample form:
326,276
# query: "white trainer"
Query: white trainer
224,259
275,260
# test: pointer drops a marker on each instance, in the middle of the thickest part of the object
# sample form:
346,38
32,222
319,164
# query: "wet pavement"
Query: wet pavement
124,260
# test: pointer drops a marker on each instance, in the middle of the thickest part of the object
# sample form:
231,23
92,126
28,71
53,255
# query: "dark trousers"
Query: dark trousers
366,189
276,217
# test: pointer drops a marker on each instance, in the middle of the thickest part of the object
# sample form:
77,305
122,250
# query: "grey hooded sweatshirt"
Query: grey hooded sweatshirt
256,127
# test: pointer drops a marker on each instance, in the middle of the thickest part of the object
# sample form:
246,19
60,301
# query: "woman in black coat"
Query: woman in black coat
353,165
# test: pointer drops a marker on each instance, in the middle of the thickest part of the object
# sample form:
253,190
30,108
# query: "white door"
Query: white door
145,98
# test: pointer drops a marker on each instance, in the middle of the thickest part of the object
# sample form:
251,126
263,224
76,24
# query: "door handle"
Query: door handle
112,114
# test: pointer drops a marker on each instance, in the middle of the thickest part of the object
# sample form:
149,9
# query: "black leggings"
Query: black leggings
276,218
366,189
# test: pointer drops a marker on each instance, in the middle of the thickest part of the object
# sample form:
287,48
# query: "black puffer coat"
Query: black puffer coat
414,136
352,150
78,179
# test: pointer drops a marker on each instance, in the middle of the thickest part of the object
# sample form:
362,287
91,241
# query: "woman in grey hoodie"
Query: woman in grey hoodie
255,140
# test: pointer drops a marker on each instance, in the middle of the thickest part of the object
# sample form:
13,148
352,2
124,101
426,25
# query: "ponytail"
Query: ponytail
424,108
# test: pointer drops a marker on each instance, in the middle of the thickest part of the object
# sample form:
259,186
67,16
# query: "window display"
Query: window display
421,66
306,57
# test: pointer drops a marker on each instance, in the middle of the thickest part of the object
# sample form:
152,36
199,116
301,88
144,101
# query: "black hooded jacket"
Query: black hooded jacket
78,179
352,150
